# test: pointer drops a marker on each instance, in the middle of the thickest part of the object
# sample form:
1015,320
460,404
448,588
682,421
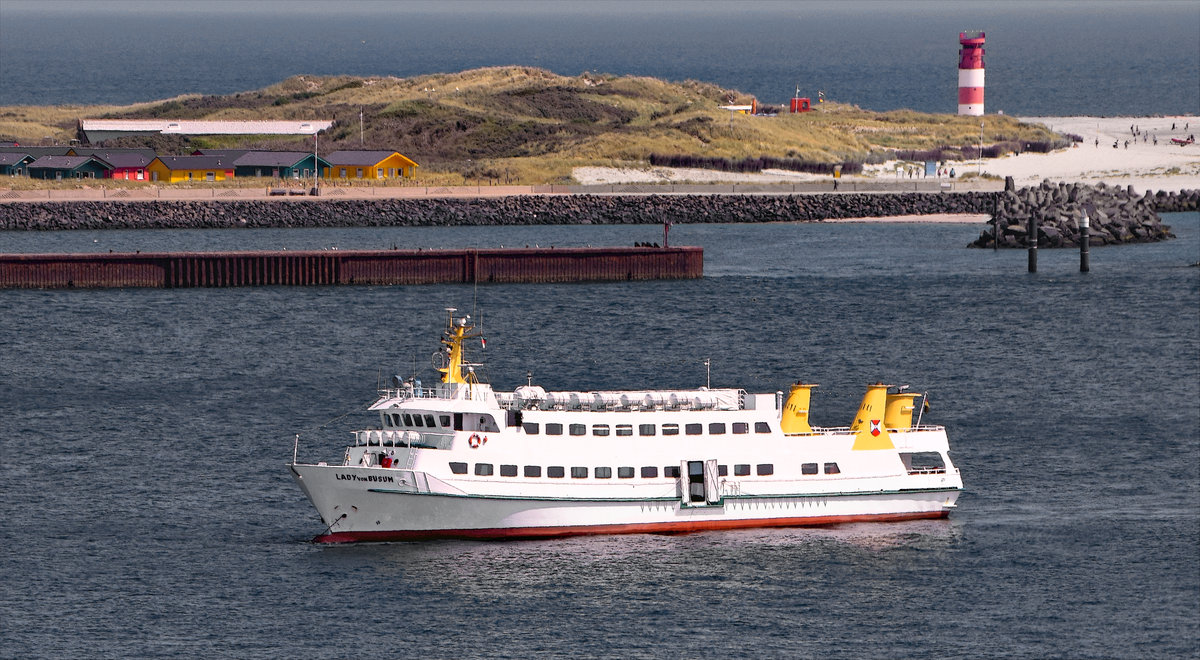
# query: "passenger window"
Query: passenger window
765,469
599,429
408,419
624,473
716,428
578,429
533,470
554,429
483,469
555,471
693,429
762,427
429,421
579,473
531,427
741,427
624,429
487,423
604,473
741,470
508,470
723,470
458,468
671,471
445,420
808,468
417,422
649,472
832,468
645,429
670,429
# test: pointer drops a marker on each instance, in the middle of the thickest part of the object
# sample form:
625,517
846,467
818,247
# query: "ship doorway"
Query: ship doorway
700,483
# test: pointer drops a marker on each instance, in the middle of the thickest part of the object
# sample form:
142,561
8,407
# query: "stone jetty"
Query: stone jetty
1118,215
1058,202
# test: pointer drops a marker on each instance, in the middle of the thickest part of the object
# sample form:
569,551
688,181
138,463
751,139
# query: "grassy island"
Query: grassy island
527,125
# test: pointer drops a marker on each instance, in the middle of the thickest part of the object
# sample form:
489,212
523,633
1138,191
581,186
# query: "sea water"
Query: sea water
1043,58
144,435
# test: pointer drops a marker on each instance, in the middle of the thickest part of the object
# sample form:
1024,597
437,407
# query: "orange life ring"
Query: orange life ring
474,441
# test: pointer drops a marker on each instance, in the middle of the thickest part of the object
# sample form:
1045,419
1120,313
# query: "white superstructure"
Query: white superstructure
461,460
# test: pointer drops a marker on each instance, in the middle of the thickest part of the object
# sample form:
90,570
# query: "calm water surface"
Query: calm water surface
144,435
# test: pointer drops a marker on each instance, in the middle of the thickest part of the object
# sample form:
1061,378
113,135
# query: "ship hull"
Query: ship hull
395,505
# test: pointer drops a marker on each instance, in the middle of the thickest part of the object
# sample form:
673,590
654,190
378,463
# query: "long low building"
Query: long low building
98,130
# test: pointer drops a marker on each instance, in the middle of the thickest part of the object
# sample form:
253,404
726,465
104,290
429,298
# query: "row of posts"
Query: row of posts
1032,229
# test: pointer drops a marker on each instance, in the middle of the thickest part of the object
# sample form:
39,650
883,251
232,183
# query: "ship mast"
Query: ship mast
457,331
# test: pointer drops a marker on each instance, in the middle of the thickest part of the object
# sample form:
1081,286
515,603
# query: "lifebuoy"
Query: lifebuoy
475,441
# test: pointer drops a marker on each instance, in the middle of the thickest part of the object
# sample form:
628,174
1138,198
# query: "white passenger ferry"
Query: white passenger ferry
462,460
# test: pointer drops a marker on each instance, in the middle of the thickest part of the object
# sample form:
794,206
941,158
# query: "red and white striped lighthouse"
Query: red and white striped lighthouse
970,73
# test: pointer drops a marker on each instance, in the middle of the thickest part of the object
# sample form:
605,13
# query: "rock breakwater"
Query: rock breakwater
1116,215
517,210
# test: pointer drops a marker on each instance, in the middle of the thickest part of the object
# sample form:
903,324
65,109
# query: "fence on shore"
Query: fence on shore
217,193
331,267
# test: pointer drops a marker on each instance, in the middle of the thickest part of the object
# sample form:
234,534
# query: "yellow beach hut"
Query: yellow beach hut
369,165
173,169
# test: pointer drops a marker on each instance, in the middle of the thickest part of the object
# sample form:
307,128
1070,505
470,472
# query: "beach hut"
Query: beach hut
68,167
370,165
13,164
279,164
126,164
174,169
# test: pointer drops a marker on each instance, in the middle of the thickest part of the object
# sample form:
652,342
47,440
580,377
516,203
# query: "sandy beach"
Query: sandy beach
1143,164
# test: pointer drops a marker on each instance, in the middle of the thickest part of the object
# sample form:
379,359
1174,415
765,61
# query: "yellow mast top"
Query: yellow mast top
457,331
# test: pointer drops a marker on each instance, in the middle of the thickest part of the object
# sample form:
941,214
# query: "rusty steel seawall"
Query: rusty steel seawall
328,267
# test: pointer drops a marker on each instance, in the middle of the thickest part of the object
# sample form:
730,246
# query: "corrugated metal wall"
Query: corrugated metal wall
348,267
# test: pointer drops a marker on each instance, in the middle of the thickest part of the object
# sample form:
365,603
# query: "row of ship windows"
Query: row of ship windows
417,421
714,428
647,472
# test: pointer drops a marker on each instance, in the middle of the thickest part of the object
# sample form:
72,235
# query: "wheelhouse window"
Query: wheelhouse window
458,468
531,427
670,429
693,429
508,470
603,473
483,469
649,472
741,427
579,473
764,469
553,429
808,468
741,470
555,471
832,468
762,427
418,422
624,473
408,421
578,429
429,421
533,470
624,429
645,429
599,429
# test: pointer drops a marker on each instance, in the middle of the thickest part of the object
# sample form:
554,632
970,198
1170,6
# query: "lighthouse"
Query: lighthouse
970,73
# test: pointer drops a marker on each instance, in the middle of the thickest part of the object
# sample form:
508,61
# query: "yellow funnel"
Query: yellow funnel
868,427
899,410
795,410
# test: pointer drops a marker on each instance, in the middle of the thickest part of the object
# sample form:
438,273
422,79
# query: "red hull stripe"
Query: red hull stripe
681,527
